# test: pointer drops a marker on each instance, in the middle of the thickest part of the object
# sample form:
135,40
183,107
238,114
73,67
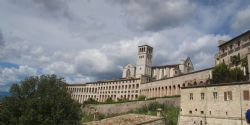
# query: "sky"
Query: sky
89,40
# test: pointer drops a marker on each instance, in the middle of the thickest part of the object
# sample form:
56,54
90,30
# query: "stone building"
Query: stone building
220,104
144,66
142,79
102,90
238,48
171,86
166,71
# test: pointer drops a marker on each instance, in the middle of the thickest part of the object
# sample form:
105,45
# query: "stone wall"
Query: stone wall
126,107
219,104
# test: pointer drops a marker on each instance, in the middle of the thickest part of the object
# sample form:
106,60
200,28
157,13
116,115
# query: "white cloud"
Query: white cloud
158,14
13,75
242,19
92,61
91,40
59,68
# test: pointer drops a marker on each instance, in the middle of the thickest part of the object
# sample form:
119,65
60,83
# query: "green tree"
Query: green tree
236,74
142,98
221,73
91,101
40,100
109,100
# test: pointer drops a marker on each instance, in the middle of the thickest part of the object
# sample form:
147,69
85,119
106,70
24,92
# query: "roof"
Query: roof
146,45
115,80
163,66
216,85
235,38
128,119
130,65
185,74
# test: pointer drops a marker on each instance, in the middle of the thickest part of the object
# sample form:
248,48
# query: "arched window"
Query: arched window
195,83
183,85
201,82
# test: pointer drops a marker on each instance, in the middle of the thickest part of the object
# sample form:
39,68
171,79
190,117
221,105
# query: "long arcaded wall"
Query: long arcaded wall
131,88
172,86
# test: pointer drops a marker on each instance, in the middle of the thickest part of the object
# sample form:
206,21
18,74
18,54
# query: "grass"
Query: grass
170,113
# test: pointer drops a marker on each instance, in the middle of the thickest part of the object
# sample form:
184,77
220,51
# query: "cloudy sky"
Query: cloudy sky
87,40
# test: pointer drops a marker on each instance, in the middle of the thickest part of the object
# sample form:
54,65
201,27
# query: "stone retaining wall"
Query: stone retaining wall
128,106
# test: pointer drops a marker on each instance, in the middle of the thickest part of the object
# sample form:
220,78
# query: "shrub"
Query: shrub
142,98
91,101
222,73
109,100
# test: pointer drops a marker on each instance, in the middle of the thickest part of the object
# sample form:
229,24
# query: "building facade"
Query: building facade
102,90
172,86
141,78
221,104
237,48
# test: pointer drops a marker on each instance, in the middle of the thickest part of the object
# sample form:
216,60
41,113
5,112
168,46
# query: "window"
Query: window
228,95
231,46
238,43
202,96
246,95
202,112
191,96
215,95
190,112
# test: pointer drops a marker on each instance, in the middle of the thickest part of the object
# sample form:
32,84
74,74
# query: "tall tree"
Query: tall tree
221,73
40,100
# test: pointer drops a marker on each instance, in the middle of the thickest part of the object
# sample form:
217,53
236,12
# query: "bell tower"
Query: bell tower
144,61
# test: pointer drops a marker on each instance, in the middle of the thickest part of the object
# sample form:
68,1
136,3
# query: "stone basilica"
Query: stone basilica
142,79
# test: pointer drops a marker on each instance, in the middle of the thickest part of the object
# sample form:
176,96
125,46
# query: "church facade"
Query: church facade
144,66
